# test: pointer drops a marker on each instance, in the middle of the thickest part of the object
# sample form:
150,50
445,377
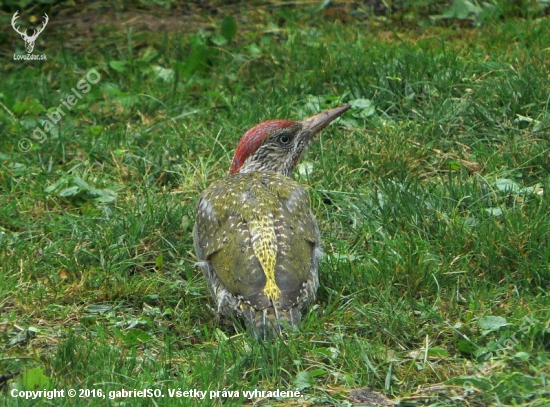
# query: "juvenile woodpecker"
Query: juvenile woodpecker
255,236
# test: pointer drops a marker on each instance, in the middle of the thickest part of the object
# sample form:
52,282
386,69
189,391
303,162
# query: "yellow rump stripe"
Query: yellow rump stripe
264,244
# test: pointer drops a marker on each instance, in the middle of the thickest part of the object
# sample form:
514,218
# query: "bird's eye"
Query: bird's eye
284,139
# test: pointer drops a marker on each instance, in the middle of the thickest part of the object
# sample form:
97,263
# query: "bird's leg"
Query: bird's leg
295,316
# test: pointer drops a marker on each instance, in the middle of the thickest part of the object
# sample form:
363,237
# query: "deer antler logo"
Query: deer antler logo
29,41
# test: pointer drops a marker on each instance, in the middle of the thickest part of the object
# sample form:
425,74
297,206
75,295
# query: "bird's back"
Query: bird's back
258,245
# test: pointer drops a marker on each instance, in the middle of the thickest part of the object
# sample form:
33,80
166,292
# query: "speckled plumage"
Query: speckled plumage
256,239
260,246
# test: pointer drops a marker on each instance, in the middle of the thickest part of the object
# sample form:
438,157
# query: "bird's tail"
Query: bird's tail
270,322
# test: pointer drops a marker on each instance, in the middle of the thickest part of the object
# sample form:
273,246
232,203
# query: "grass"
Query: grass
431,195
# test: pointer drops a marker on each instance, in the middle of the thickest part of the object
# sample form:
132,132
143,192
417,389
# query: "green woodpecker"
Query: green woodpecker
255,236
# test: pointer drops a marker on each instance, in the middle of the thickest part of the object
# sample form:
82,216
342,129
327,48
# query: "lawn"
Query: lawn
431,193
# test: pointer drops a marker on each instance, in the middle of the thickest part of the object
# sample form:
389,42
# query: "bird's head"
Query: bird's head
277,145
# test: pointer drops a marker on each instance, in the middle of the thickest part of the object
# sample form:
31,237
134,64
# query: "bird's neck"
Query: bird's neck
249,167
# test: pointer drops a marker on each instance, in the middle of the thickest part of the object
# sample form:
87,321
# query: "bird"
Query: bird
256,239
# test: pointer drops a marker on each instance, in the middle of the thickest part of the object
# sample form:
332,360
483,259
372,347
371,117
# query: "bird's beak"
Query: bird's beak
314,124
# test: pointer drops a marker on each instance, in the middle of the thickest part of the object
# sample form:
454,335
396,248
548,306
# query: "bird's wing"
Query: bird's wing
298,245
223,236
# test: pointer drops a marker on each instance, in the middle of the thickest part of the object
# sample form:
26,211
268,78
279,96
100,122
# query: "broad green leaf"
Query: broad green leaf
94,130
438,352
330,352
136,336
303,380
105,196
254,50
461,9
471,381
229,28
521,355
492,323
98,308
506,185
49,189
148,54
119,66
166,74
362,108
81,183
454,165
198,56
466,346
219,40
317,372
29,106
494,211
71,191
35,379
